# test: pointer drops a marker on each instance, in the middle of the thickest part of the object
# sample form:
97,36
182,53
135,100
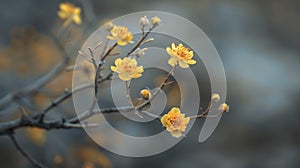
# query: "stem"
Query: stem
34,162
99,67
128,93
157,91
140,41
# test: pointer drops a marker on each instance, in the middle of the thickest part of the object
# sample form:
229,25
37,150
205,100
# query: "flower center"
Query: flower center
183,52
128,68
121,32
175,121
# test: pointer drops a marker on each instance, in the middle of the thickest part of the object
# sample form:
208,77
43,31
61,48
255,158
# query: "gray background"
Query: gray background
259,44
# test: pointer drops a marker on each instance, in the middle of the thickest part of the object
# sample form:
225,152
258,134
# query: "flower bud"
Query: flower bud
144,21
215,97
109,26
145,93
224,107
140,52
155,21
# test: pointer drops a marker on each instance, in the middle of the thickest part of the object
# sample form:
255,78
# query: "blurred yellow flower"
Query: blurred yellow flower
175,122
69,13
127,68
180,55
215,97
36,135
121,34
224,107
155,21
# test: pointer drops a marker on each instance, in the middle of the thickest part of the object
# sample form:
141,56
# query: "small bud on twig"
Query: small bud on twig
224,107
145,93
140,52
144,21
147,41
109,26
155,21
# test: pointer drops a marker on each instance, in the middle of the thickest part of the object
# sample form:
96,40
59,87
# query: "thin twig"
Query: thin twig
93,58
156,91
140,41
34,162
97,76
127,85
206,116
42,81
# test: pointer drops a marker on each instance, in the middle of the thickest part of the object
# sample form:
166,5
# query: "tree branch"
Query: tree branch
42,81
34,162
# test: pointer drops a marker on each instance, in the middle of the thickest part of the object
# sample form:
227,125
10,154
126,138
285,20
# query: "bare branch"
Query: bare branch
34,162
39,83
140,41
35,120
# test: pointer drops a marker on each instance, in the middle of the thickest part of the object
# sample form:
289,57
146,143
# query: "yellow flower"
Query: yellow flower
175,122
127,68
215,97
155,21
121,34
224,107
69,13
180,55
145,93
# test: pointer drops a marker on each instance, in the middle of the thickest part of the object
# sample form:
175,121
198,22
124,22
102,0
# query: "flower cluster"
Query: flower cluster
127,67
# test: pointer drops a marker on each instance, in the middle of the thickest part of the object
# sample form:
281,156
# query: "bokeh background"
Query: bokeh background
258,41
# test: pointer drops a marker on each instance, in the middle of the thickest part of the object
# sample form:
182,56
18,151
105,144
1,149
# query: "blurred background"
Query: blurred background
258,41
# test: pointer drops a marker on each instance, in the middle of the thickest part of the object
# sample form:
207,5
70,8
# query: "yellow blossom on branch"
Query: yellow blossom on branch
145,93
180,55
155,21
127,68
69,13
121,34
175,122
224,107
215,97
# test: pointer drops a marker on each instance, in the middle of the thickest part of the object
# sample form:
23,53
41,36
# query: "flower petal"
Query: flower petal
111,37
137,75
191,62
182,64
113,68
77,19
65,6
164,119
173,46
172,61
118,62
121,43
124,77
175,110
176,134
62,15
170,51
77,10
139,69
129,37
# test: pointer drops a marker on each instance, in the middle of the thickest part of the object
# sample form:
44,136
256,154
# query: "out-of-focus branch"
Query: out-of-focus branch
35,121
39,83
68,94
34,162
